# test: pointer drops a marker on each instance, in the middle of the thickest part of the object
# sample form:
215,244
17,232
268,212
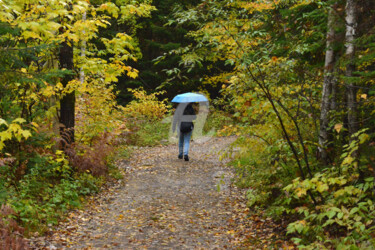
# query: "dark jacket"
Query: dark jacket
184,120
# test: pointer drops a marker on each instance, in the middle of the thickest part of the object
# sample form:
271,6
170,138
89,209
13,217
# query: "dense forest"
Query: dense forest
84,81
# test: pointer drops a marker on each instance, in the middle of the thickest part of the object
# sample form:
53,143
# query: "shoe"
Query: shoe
186,157
179,156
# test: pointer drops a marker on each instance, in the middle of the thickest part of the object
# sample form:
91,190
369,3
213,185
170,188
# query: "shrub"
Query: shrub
150,134
10,232
264,176
217,120
344,213
146,107
145,116
91,159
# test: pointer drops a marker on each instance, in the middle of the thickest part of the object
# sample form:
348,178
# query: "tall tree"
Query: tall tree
328,96
351,25
67,103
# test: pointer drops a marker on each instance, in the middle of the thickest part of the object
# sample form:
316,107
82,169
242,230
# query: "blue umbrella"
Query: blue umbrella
189,97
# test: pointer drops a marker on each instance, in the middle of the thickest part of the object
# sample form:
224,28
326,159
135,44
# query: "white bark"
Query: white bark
328,86
351,25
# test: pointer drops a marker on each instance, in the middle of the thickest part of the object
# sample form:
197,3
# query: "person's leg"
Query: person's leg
180,145
187,137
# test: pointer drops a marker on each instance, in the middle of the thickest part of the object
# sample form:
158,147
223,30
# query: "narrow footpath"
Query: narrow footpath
166,203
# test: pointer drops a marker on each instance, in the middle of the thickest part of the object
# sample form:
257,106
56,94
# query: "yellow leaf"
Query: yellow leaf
5,135
26,133
48,92
132,74
321,187
363,137
29,34
348,160
364,96
19,120
35,124
338,127
2,121
301,192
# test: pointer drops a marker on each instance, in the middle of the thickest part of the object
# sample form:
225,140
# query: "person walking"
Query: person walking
184,122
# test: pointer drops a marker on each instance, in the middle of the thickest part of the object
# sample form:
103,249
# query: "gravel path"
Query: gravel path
162,203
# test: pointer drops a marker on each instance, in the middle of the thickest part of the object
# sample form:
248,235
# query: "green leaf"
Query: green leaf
354,210
330,214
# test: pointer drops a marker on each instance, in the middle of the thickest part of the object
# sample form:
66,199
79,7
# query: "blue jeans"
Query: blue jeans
184,143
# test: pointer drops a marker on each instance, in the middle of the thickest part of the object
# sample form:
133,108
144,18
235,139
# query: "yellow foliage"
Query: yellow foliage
97,112
14,130
257,5
146,106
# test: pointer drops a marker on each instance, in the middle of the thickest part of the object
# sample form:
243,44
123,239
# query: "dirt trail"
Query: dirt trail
162,203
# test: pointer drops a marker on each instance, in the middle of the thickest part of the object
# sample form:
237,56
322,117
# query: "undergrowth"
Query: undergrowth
341,214
10,232
40,181
216,121
45,184
156,131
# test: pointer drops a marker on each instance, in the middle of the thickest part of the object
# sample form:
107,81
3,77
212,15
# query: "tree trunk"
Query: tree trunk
67,103
328,87
351,24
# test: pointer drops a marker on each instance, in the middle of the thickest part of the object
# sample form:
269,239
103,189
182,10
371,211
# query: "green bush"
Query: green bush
48,188
217,120
264,176
344,213
334,208
149,133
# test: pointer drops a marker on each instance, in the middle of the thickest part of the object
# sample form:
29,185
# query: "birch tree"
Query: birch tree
351,25
329,83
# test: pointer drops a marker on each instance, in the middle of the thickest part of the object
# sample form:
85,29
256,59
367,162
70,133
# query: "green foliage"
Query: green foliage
37,180
262,175
216,121
154,134
346,202
47,189
149,133
157,38
274,52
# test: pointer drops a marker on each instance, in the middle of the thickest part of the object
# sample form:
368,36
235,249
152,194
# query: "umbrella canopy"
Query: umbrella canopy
189,97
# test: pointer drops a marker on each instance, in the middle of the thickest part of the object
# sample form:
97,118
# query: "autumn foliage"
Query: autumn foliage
11,234
297,78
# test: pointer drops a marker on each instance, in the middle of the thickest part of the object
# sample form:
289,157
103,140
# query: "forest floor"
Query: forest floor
166,203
